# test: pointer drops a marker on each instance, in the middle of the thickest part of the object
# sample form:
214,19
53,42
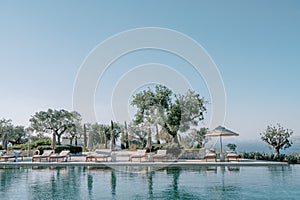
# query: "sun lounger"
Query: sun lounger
6,157
139,154
18,154
46,155
98,154
15,155
62,155
232,155
210,154
160,155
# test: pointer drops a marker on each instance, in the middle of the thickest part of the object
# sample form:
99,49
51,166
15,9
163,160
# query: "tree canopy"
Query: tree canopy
172,112
277,137
56,122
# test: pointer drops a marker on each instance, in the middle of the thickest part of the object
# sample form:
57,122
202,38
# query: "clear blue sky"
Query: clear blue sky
255,45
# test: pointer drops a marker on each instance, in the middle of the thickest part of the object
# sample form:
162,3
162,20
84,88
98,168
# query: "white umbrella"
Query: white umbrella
219,132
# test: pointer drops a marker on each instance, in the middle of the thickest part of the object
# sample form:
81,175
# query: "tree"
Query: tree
232,147
17,135
75,132
137,135
199,136
277,137
56,122
173,113
5,128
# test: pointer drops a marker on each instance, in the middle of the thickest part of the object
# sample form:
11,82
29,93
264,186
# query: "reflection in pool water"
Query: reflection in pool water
274,182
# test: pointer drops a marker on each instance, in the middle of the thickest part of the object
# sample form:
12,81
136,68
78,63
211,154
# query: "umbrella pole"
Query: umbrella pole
221,153
221,142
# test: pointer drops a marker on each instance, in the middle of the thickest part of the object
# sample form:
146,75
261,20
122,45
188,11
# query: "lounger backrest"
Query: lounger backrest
161,152
17,153
47,152
142,152
103,152
3,152
64,153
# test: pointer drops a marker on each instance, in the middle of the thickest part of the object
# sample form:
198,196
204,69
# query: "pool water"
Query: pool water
245,182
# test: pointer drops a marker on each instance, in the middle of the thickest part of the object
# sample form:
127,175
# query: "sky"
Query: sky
253,44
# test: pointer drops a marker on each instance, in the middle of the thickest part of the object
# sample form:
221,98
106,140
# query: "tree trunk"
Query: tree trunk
175,139
276,151
157,135
58,139
53,144
105,142
149,142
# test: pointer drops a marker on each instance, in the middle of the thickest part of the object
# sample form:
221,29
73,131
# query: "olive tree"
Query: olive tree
55,122
277,137
17,135
199,136
172,112
6,127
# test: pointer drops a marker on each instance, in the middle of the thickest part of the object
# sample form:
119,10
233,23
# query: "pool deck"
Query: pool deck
123,162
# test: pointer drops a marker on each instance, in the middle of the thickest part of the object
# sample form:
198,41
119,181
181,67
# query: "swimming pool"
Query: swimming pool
219,182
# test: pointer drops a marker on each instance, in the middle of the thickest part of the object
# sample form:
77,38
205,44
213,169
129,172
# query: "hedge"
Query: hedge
72,149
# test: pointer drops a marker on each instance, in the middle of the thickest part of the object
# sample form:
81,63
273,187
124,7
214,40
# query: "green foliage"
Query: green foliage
72,149
199,136
39,136
42,148
277,137
232,147
133,147
85,149
42,142
20,147
156,147
186,142
6,127
156,107
137,135
292,158
56,122
17,135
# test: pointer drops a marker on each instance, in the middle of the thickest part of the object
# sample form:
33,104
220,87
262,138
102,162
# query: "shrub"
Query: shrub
292,158
42,142
156,147
133,147
42,148
19,147
72,149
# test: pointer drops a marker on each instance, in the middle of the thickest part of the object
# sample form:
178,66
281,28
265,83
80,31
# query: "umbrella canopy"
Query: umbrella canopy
219,132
